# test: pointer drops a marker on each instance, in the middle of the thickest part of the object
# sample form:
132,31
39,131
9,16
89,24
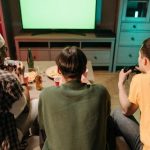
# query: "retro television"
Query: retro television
60,15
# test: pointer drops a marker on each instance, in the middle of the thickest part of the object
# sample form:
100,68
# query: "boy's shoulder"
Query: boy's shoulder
140,76
49,89
98,86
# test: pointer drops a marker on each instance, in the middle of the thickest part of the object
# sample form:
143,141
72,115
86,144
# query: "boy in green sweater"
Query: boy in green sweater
74,115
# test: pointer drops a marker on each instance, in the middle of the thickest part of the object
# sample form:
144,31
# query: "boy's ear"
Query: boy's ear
85,73
145,60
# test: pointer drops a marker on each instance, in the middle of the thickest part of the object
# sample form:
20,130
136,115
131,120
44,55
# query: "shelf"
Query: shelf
33,44
95,44
99,50
139,1
64,44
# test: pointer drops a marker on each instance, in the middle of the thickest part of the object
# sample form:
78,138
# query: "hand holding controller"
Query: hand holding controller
132,68
125,69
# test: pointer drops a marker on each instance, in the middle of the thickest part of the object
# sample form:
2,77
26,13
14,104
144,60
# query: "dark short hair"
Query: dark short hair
71,62
145,48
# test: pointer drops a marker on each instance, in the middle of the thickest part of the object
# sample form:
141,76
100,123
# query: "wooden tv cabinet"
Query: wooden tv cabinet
99,50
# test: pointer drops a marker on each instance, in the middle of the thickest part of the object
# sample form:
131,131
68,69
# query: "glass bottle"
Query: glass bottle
30,60
38,82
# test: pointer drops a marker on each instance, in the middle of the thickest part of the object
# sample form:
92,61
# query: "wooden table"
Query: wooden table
43,65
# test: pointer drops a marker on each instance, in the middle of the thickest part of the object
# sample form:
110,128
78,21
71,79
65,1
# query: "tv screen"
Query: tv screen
60,14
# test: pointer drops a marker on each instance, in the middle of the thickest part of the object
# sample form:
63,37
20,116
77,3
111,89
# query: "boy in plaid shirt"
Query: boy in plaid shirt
11,95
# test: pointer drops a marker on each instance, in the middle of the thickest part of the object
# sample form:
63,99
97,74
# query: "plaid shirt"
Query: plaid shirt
8,131
10,90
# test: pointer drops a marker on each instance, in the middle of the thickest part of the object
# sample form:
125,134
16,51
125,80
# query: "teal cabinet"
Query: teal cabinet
136,10
133,28
127,55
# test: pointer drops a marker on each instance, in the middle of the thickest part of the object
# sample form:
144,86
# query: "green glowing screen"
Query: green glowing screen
58,14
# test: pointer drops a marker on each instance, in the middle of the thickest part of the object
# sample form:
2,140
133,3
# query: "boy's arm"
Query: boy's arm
128,107
42,134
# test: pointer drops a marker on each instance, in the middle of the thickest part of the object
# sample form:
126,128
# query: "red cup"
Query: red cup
57,81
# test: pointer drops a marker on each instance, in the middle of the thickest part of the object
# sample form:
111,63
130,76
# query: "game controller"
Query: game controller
132,68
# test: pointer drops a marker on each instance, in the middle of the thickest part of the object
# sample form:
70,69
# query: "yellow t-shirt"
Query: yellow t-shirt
140,94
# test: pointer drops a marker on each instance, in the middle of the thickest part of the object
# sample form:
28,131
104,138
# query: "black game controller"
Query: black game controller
132,68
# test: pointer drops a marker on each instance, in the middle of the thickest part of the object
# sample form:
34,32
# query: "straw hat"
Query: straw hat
2,42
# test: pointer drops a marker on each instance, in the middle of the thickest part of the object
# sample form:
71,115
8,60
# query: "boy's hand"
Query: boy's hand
20,68
138,69
84,79
123,76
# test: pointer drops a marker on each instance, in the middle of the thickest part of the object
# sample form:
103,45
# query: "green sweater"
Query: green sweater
74,116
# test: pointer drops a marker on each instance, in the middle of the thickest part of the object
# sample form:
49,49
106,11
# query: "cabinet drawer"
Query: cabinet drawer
54,53
128,55
135,26
38,55
133,38
98,57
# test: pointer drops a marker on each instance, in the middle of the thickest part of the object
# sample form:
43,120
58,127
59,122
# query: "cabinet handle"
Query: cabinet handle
95,57
34,57
130,55
132,38
134,26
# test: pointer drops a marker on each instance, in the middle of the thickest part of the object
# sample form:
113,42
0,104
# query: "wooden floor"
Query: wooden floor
110,81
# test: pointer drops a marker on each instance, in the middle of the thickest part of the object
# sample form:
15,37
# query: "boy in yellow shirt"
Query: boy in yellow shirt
137,136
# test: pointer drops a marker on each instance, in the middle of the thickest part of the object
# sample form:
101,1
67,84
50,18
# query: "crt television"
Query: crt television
60,14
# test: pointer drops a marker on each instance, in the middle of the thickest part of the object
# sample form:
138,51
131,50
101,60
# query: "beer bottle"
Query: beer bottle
30,60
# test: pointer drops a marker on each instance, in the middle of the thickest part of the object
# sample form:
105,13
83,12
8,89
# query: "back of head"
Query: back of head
71,62
145,48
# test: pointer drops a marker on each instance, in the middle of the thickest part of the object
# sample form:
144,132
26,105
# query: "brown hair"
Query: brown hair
71,62
145,48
